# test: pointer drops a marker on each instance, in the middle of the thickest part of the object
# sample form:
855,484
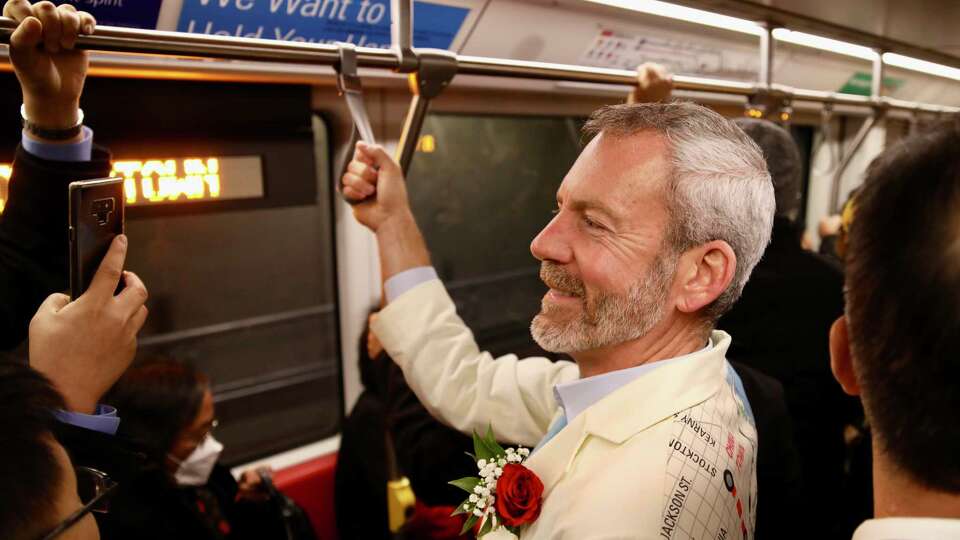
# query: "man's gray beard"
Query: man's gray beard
612,319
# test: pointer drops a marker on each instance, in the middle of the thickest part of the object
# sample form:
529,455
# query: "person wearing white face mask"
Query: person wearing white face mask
168,409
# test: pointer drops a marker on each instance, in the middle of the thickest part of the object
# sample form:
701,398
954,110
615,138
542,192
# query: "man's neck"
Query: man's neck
672,337
895,494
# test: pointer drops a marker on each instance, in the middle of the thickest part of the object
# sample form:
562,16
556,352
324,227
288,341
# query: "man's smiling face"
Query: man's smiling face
603,253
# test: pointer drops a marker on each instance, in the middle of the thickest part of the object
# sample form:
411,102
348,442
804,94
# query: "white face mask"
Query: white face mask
196,469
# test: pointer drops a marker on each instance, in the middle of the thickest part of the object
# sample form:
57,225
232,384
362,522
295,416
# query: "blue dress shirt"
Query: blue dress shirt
104,419
73,151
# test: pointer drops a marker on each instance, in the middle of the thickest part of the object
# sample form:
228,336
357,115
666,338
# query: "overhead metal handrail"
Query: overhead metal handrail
129,40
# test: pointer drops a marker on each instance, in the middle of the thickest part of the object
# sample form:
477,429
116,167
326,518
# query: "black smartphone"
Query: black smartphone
96,217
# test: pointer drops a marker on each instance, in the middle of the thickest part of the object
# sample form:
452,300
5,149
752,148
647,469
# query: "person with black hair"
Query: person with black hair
184,492
895,346
81,346
39,488
59,459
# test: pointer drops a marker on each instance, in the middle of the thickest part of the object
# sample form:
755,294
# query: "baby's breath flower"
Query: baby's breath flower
477,512
501,462
482,463
473,498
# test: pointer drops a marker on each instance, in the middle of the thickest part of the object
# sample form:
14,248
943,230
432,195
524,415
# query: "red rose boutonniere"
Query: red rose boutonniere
506,495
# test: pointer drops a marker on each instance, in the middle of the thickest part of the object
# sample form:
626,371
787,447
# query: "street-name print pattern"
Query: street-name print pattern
711,484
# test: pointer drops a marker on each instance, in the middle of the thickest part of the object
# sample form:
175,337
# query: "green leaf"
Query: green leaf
485,528
460,509
514,530
471,521
467,483
492,443
480,448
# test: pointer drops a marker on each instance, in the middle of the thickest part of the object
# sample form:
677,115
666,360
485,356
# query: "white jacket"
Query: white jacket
670,455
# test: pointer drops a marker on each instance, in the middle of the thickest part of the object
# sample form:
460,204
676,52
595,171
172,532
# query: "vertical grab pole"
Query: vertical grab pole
876,81
876,93
766,57
431,70
861,136
401,34
437,69
412,124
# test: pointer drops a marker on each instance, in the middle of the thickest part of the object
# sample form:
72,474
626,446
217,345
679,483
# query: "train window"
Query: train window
482,187
231,230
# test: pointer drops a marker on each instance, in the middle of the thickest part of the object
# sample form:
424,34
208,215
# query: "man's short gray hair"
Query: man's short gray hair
718,188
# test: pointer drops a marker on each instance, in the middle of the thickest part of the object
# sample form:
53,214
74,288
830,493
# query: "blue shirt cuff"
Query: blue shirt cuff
74,151
406,280
104,419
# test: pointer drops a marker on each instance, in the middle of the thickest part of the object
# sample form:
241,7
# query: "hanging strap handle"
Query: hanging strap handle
350,87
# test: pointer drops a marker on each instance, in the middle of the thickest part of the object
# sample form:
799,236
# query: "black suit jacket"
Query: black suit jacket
779,480
781,327
33,236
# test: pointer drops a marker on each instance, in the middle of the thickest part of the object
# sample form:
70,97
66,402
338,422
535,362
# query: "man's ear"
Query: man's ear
841,360
703,273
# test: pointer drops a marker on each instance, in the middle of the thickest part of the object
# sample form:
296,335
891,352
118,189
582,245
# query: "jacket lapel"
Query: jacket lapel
553,459
633,408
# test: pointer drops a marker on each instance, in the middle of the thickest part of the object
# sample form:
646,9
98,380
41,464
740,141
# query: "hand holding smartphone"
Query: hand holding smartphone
96,217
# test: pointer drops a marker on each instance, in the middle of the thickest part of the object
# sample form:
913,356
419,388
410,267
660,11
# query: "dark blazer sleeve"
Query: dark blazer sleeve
122,459
33,236
779,472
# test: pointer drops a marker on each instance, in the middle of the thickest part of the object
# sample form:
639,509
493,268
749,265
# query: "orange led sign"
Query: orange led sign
177,180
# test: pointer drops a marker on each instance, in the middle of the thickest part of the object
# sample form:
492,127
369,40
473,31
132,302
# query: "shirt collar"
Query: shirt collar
577,396
907,529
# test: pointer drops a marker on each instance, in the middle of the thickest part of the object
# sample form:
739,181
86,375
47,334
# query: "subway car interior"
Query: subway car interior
232,123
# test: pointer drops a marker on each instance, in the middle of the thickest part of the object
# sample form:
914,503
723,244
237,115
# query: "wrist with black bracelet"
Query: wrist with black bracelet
56,134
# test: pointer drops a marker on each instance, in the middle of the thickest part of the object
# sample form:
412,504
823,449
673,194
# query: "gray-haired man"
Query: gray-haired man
658,225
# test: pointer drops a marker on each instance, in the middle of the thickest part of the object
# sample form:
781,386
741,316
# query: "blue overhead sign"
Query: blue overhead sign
132,13
361,22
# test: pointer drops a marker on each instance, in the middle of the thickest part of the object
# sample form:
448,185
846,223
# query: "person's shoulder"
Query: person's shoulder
759,387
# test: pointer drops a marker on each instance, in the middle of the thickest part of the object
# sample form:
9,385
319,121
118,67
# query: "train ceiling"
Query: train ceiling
583,32
595,33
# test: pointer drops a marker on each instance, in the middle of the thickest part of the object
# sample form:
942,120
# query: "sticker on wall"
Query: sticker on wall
859,84
613,49
361,22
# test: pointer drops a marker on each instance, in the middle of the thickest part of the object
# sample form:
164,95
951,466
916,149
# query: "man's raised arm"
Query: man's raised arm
419,327
56,149
375,180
